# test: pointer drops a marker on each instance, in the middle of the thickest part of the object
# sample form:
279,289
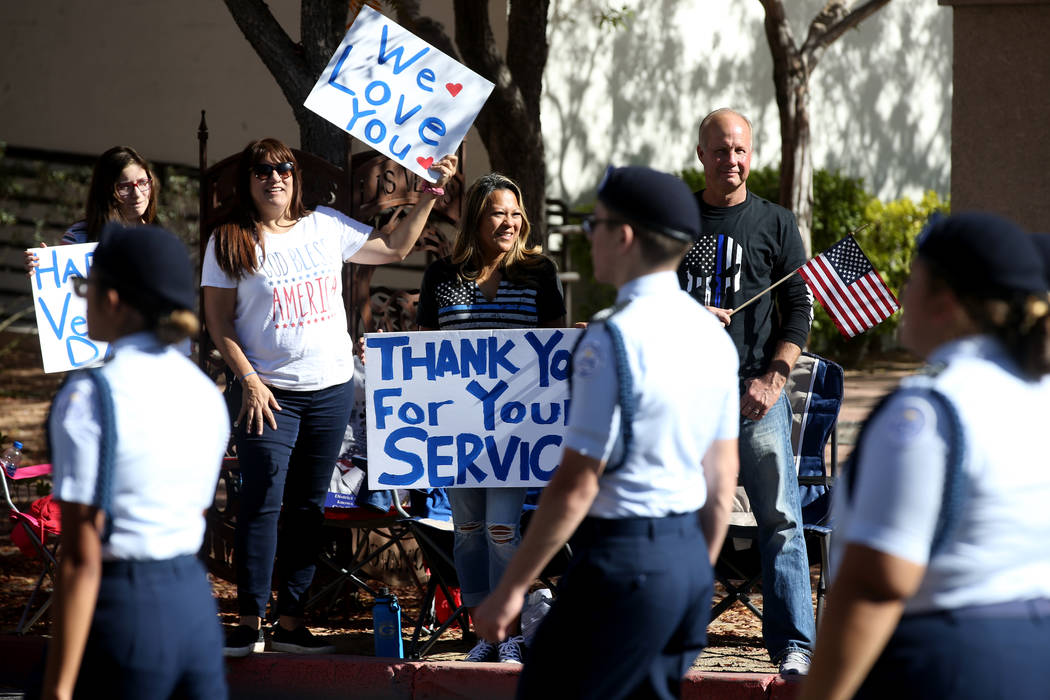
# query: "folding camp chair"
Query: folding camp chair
37,542
815,390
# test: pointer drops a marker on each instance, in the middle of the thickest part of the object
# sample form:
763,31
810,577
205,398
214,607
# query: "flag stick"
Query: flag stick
786,277
755,298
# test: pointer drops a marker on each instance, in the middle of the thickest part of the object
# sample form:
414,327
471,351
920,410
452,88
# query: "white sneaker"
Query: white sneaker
484,650
510,650
794,663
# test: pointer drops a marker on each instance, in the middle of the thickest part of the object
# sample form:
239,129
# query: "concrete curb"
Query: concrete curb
275,675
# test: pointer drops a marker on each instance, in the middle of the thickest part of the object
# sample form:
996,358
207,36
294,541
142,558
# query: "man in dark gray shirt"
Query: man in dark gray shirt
748,244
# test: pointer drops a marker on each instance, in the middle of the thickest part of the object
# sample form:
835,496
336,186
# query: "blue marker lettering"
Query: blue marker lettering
501,464
472,357
379,407
534,458
543,351
396,53
435,460
431,124
498,356
488,400
432,410
408,361
337,70
358,113
386,344
512,412
62,320
427,75
399,116
468,449
409,458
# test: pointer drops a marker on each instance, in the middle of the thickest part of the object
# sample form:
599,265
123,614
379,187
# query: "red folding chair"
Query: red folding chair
37,538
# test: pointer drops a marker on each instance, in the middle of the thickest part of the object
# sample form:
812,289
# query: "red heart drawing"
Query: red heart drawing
453,88
425,162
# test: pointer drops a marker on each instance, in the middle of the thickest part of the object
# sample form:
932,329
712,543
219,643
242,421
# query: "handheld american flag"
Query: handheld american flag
849,287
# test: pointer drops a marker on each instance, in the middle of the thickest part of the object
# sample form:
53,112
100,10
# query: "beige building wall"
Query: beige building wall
1000,109
84,75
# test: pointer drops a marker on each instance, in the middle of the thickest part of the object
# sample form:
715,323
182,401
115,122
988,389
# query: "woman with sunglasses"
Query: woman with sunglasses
272,282
123,189
136,446
493,279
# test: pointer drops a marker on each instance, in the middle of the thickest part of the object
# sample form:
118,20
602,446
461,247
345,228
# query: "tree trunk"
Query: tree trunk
295,67
792,67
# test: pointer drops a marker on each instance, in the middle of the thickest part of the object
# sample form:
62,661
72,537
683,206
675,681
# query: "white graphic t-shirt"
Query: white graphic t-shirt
290,316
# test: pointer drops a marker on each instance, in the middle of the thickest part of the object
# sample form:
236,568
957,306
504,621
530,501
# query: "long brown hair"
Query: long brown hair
467,255
103,202
235,239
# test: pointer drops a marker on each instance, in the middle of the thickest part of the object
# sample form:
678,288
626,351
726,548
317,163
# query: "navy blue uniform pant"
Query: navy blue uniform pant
983,653
155,634
630,616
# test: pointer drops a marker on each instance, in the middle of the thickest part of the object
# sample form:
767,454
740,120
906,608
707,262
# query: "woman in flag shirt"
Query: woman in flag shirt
942,588
493,279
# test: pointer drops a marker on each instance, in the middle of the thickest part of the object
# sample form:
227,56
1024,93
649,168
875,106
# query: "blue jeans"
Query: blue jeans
767,473
293,465
487,529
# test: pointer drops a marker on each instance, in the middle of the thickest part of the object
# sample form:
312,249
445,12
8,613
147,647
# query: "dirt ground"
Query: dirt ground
734,639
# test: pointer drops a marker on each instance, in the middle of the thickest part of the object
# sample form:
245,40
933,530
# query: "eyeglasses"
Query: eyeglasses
80,285
590,224
124,189
263,171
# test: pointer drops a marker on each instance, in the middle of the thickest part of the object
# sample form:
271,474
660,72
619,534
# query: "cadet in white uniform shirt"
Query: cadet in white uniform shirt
135,469
648,470
942,588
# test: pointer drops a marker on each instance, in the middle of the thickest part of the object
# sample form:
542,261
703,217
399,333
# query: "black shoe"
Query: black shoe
298,641
243,640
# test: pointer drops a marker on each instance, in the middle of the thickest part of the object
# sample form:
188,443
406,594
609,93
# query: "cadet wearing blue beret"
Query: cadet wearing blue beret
942,588
136,447
648,470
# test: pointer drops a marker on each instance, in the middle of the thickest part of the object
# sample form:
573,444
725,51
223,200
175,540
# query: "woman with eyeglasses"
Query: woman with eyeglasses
136,445
273,305
123,189
494,279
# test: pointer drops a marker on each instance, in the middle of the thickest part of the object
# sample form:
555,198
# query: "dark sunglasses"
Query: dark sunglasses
263,171
590,224
80,285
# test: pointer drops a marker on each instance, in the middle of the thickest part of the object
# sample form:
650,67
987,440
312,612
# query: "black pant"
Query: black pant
630,616
984,653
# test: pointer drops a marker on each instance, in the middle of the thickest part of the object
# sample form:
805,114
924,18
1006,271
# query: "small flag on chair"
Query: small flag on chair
849,288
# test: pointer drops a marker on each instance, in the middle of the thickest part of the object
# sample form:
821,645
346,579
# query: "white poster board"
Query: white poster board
397,93
466,408
61,316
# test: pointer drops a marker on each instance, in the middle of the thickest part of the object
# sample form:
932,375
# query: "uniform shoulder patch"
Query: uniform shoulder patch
588,358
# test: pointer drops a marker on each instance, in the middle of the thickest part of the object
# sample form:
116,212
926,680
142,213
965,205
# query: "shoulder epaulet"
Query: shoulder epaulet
625,382
954,476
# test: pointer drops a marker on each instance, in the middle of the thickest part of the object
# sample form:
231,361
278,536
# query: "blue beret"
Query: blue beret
656,201
983,255
1042,243
148,265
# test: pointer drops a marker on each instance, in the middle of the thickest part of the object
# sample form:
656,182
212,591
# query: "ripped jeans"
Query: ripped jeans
487,529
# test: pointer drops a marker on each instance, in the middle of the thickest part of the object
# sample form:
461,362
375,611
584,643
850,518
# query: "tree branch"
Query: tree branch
281,56
833,22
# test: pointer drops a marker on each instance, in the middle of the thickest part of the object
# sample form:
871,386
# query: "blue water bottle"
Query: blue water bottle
386,621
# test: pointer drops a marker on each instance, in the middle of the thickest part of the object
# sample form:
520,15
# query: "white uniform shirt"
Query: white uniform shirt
290,316
999,551
172,427
684,370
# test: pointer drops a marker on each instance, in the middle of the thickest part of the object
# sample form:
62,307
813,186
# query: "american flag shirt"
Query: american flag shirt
447,303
